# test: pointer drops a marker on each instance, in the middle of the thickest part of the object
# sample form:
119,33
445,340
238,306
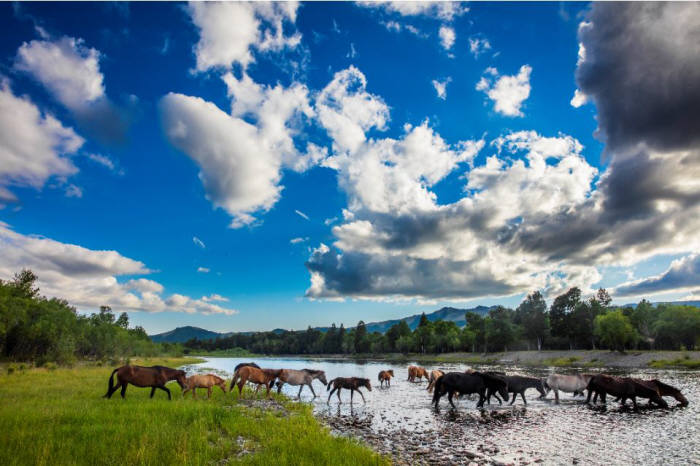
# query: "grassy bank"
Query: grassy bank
552,358
58,416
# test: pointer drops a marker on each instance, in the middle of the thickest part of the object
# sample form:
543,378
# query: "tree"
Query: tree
677,325
23,284
559,312
423,334
615,330
123,320
533,317
423,320
362,342
499,329
475,324
643,317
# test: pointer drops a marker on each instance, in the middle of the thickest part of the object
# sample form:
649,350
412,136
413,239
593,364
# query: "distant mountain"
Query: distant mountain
446,313
182,334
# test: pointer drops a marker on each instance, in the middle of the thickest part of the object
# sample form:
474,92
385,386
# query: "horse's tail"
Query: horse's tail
437,389
233,380
379,377
110,386
328,387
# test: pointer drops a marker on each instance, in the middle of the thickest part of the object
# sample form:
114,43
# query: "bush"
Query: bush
51,366
11,368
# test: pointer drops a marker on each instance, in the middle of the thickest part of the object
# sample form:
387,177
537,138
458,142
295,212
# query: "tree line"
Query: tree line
570,322
36,329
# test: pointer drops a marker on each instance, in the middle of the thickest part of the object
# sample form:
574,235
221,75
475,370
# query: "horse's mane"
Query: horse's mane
665,386
311,371
494,378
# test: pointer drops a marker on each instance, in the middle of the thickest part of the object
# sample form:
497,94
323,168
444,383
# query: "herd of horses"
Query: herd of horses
485,384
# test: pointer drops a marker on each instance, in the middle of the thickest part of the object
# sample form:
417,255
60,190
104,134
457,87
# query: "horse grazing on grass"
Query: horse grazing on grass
301,378
475,382
419,372
203,381
575,384
623,388
139,376
385,376
434,375
517,384
351,383
260,377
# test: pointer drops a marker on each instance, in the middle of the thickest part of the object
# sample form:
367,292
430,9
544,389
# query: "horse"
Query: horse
462,383
243,364
203,381
385,376
416,371
434,375
301,378
668,390
575,384
517,384
254,375
623,387
139,376
351,383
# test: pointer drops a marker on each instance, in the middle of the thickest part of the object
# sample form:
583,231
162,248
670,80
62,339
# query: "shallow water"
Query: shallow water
400,420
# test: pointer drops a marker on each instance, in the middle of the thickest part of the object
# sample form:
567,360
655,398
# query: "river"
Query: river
400,420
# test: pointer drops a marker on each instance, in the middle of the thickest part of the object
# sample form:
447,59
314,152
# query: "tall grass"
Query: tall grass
58,416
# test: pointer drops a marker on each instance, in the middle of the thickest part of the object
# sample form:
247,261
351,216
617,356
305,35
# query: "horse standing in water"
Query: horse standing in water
254,375
475,382
417,372
351,383
139,376
567,383
385,376
301,378
434,375
517,384
623,388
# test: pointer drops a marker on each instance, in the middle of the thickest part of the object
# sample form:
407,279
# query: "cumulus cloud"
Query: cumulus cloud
88,278
682,275
215,297
70,71
507,92
447,37
33,146
478,46
441,87
230,31
446,11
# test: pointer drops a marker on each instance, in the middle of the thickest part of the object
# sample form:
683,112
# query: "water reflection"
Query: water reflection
401,420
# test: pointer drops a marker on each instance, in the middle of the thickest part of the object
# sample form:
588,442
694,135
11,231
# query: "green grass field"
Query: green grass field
59,417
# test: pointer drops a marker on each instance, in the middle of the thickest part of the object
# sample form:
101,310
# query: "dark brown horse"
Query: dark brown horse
139,376
260,377
663,390
351,383
464,383
624,388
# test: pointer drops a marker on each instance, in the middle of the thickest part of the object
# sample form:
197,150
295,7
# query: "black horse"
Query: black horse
517,384
474,382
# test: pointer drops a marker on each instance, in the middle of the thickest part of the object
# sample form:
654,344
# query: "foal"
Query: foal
385,376
351,383
203,381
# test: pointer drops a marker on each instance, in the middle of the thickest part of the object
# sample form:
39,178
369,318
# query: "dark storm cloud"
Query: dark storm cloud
682,274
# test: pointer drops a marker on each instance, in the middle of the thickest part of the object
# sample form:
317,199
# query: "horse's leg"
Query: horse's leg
330,395
480,403
523,395
634,402
338,393
311,387
240,388
163,387
279,387
153,390
450,394
208,392
556,396
124,384
352,392
363,397
513,400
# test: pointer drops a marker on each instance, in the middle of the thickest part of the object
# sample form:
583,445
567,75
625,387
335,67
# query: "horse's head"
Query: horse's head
181,378
322,377
503,390
546,386
391,372
365,383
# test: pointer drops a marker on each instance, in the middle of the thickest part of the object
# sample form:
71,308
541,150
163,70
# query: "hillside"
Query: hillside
182,334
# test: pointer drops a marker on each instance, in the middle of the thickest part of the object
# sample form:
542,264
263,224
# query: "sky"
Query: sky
250,166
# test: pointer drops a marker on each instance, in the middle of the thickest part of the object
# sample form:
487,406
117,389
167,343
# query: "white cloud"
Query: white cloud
88,278
478,45
198,242
441,87
74,191
447,37
352,53
507,92
683,275
203,270
347,110
578,99
301,214
446,11
102,160
298,240
33,147
215,297
66,67
330,221
229,31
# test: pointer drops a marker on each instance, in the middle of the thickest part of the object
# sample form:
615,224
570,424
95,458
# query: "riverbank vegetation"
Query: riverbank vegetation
41,330
570,322
59,417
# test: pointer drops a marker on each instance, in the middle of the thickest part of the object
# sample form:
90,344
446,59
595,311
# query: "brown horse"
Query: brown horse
385,376
662,389
204,381
351,383
434,375
256,376
623,387
419,372
139,376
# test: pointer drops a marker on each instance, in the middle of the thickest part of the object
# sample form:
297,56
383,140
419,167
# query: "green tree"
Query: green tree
677,325
362,342
615,330
499,328
559,314
532,314
476,325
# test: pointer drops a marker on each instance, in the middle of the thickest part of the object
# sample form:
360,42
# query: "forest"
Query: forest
570,322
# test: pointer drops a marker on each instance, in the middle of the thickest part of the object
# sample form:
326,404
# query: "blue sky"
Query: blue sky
259,166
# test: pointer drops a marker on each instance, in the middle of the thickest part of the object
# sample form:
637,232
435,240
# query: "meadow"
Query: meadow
58,416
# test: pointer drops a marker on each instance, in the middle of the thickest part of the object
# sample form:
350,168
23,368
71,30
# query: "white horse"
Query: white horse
302,377
567,383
